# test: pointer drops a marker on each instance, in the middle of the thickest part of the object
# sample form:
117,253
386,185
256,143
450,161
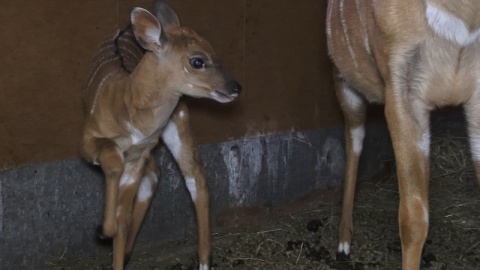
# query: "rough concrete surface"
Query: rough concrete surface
52,209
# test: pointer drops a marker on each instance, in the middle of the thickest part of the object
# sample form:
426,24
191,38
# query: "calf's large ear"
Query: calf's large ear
146,28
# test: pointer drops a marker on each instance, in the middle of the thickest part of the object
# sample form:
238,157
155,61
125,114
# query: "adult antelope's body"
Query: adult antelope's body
132,99
414,56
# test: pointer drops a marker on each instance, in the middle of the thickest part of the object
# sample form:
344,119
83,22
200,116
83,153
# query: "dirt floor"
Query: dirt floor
308,240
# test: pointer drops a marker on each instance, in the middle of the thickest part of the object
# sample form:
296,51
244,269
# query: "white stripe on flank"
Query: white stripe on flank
132,54
98,68
101,55
99,89
345,33
363,23
449,26
132,43
329,19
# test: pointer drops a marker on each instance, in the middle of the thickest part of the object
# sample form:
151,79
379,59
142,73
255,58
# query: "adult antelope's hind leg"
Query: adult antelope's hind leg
146,191
408,123
472,112
354,109
178,138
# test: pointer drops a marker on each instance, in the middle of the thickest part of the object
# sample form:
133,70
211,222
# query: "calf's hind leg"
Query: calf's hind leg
107,154
129,183
145,194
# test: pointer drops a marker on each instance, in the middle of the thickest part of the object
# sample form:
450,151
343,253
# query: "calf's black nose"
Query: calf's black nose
235,87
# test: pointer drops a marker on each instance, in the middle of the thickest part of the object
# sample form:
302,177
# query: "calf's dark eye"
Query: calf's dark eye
197,63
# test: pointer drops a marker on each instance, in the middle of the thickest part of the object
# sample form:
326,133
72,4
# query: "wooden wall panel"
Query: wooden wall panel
45,53
276,49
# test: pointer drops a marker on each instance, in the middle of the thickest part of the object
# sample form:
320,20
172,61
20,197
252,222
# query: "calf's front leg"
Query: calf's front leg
178,138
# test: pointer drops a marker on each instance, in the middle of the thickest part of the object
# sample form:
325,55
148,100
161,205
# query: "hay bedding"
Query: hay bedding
309,240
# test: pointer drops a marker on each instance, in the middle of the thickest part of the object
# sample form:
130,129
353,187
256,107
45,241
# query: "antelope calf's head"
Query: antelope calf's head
185,62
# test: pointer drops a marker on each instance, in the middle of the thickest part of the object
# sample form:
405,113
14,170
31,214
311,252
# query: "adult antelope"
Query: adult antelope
133,99
414,56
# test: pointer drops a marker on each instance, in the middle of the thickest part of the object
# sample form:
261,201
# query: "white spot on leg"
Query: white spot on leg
181,114
358,134
344,248
203,267
191,186
146,188
126,180
172,139
136,135
352,98
475,147
424,143
425,213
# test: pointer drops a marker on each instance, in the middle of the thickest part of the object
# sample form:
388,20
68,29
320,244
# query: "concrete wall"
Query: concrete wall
52,208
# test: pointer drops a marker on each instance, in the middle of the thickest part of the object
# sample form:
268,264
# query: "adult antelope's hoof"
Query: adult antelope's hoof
342,257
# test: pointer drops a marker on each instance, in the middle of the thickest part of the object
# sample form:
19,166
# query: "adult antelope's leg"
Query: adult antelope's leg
408,123
178,138
145,194
472,112
128,187
354,110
